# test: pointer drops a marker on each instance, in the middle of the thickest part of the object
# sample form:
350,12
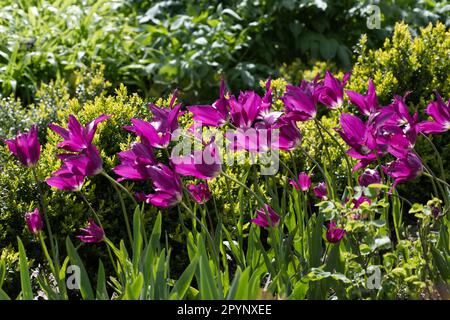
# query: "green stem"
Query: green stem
45,214
347,161
103,173
436,178
116,187
441,165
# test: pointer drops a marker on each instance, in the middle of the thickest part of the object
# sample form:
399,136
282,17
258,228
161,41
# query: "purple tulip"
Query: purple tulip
263,216
199,192
135,162
358,202
214,115
68,177
331,90
440,112
299,102
304,182
204,164
368,177
149,135
34,221
92,234
289,136
368,103
77,138
360,139
321,190
398,132
404,169
167,186
158,132
88,162
26,147
166,119
245,110
334,234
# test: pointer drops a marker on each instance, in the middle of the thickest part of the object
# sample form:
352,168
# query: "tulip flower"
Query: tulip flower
92,233
321,190
88,162
263,216
204,164
166,119
369,176
76,137
331,91
26,147
404,169
334,234
304,182
34,221
397,134
245,110
199,192
289,135
440,112
158,132
135,162
300,104
214,115
360,139
167,186
68,177
358,202
367,104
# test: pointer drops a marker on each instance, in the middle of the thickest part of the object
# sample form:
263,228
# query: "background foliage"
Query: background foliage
155,46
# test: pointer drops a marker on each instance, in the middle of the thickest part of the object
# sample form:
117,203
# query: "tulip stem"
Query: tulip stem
114,182
441,166
99,223
54,271
44,212
436,178
349,168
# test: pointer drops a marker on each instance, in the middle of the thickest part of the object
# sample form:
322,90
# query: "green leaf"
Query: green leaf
101,292
328,48
416,207
441,263
182,285
378,186
3,295
133,290
231,13
137,237
85,284
2,272
27,293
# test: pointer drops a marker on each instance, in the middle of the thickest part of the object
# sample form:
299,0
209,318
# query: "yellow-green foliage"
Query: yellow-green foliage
405,63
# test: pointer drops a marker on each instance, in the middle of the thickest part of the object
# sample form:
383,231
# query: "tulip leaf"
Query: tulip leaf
27,293
442,263
378,186
182,285
3,295
85,284
133,290
137,237
2,272
101,292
